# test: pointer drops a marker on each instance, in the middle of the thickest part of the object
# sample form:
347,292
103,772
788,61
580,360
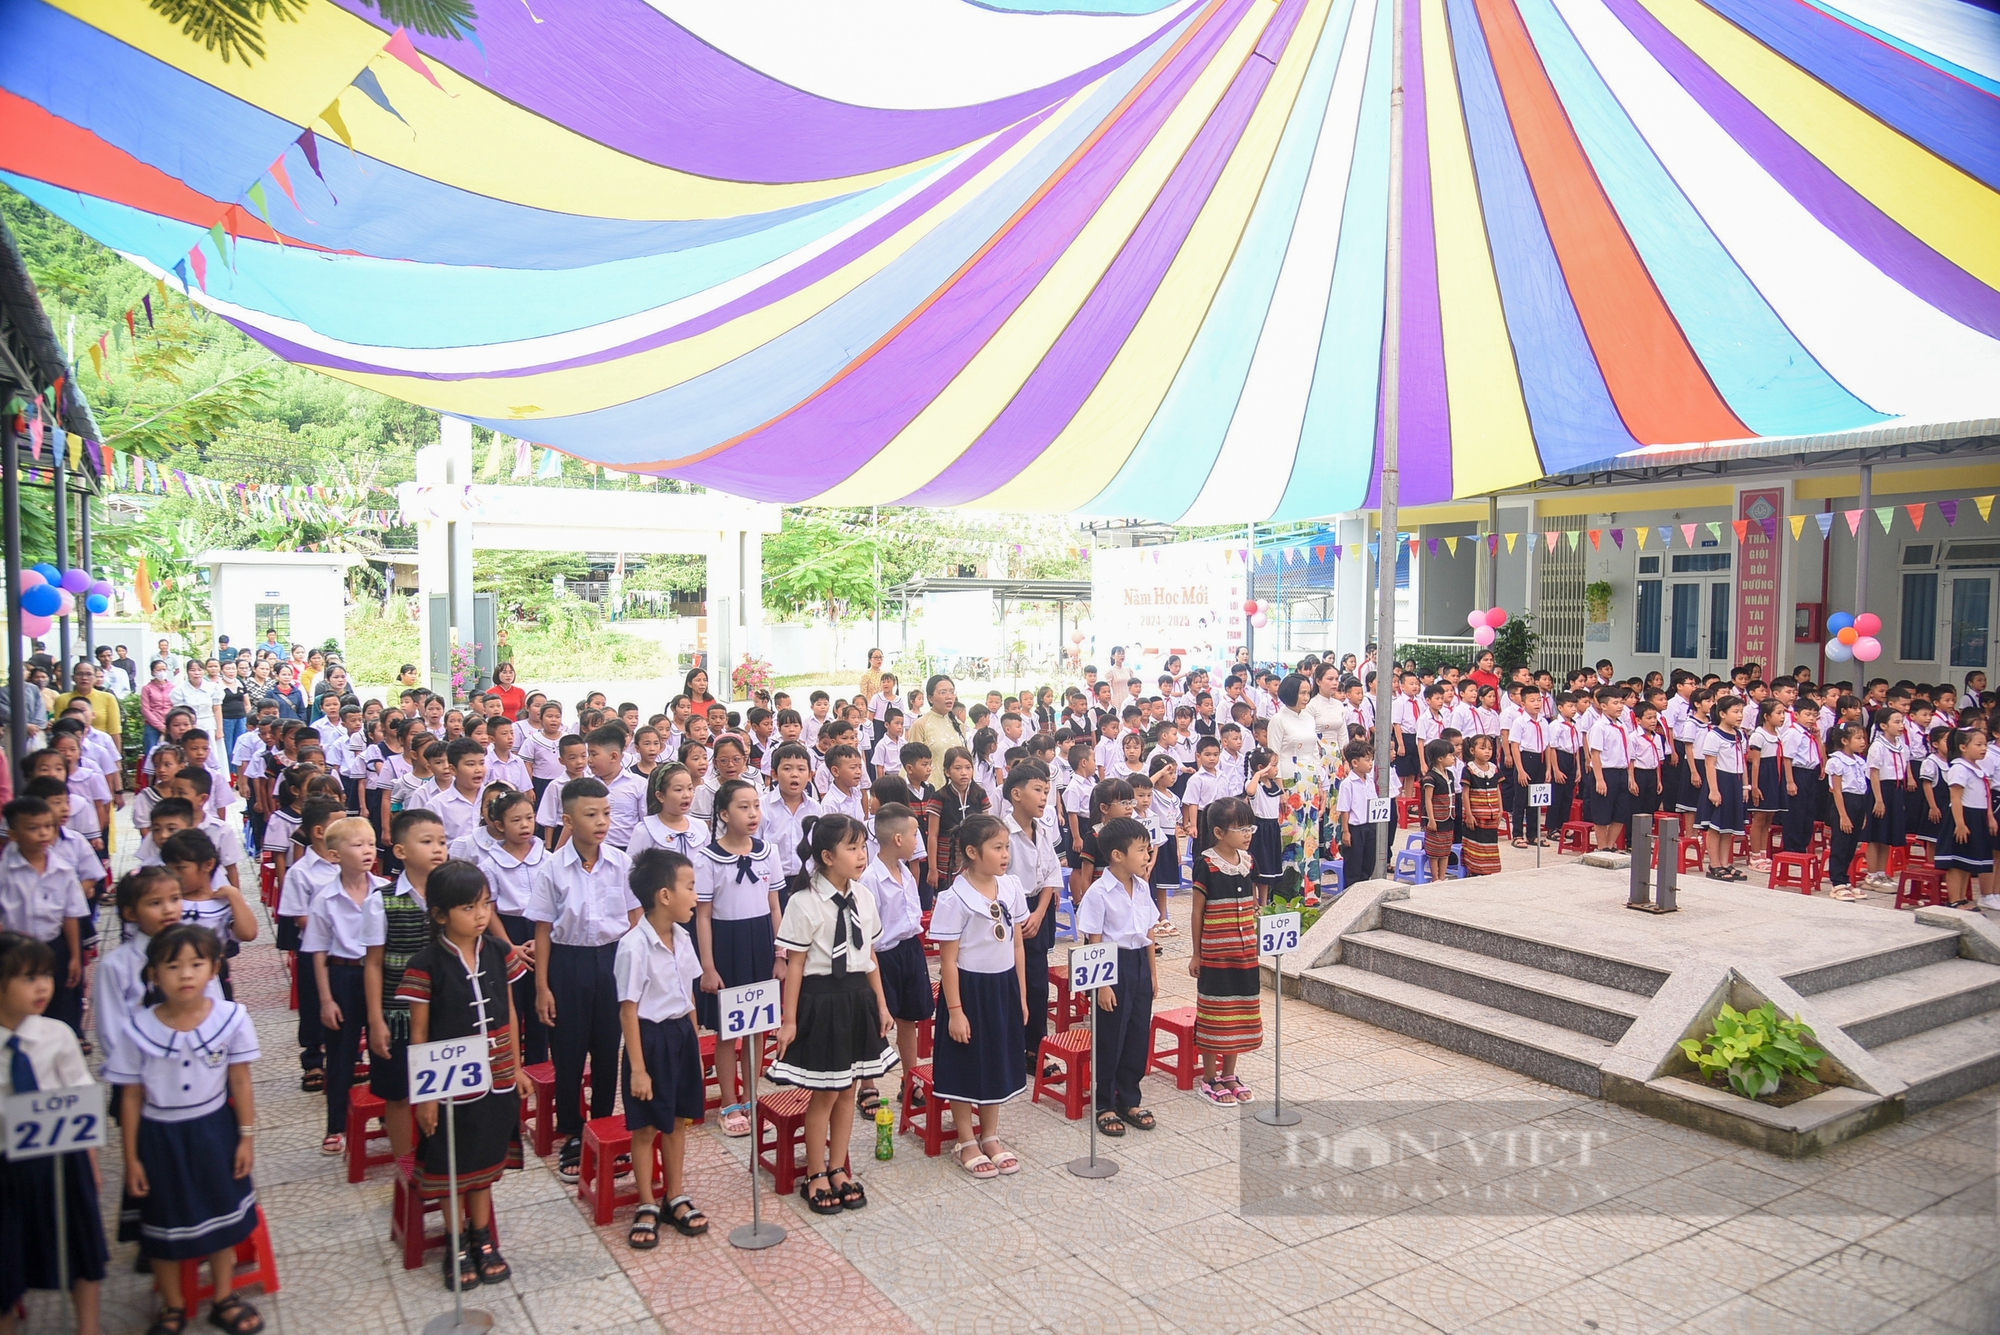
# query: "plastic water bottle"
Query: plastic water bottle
885,1131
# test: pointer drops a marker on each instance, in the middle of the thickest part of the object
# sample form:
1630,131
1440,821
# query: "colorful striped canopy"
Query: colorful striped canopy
1105,256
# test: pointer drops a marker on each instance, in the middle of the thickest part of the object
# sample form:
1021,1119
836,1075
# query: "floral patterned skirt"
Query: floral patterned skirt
1300,810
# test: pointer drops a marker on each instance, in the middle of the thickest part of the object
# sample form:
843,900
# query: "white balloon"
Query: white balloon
1836,652
1259,620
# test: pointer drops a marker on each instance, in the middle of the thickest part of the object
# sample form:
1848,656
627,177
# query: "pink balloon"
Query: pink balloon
1475,618
1868,648
30,578
68,603
1483,636
1868,624
1259,620
1249,607
1496,617
34,625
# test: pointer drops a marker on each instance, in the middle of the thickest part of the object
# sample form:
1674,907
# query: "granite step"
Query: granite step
1411,920
1943,1063
1900,1005
1554,998
1547,1052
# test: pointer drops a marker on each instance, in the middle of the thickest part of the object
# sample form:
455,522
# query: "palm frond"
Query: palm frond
230,28
438,18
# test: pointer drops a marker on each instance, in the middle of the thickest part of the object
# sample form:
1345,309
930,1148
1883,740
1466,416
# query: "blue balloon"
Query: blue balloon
98,604
44,600
1839,622
49,573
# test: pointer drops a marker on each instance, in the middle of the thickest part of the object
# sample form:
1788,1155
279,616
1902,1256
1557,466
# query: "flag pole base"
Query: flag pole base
1278,1116
1092,1167
472,1321
749,1237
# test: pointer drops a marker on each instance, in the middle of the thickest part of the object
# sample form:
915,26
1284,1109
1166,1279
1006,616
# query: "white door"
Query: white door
1698,624
1969,598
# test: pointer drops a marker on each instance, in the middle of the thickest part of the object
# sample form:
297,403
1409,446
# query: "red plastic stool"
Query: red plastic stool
1406,812
767,1053
1072,1051
1795,870
604,1139
1857,870
1575,837
267,878
1180,1061
927,1029
363,1107
1899,858
1064,1009
256,1265
542,1078
292,968
784,1114
709,1101
406,1217
1661,832
1917,886
1920,853
1691,852
929,1119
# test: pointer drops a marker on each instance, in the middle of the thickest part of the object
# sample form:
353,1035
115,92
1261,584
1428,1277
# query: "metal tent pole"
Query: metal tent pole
62,559
83,553
1861,543
1392,335
17,663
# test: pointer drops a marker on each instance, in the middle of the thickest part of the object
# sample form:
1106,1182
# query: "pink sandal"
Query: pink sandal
1235,1085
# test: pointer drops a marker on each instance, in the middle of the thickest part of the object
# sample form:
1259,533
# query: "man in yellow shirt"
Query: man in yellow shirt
103,704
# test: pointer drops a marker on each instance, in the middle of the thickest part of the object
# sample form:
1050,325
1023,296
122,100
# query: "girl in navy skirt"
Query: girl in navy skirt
38,1053
980,1059
1965,843
657,967
1767,782
837,1025
736,923
1932,798
1267,850
1719,812
190,1124
1847,781
1890,776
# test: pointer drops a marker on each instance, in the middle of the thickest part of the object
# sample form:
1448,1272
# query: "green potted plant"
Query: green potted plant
1597,598
1756,1052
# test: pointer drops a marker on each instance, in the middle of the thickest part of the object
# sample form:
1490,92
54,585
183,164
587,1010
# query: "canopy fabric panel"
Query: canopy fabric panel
1122,257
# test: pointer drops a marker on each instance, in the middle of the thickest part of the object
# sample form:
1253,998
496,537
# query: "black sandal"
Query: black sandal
642,1225
171,1321
1139,1119
852,1194
912,1097
493,1267
818,1201
687,1221
867,1101
1110,1123
313,1081
234,1315
468,1264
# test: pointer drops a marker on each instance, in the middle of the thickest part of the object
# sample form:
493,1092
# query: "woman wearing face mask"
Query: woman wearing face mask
285,690
156,697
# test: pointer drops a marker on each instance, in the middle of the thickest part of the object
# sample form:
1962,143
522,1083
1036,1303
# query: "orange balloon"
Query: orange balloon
1848,636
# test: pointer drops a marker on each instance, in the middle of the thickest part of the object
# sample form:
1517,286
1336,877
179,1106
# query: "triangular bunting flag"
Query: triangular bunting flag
200,263
147,301
1434,546
371,88
1687,535
1715,529
132,325
1596,539
523,458
1825,521
1916,513
1666,537
1510,542
1798,523
1853,521
284,180
400,46
1949,509
551,465
1644,534
332,117
1493,544
1573,534
96,363
1618,538
1552,540
1769,523
1742,527
1886,516
1319,552
255,194
496,453
1451,543
35,433
1985,504
216,234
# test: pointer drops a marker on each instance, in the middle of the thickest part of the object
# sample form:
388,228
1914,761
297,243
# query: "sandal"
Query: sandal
736,1120
493,1267
1235,1085
853,1195
913,1097
1719,874
171,1321
313,1081
818,1200
1110,1124
687,1221
1847,894
468,1264
644,1235
1139,1119
1006,1161
1217,1093
867,1101
333,1144
1520,843
978,1165
232,1314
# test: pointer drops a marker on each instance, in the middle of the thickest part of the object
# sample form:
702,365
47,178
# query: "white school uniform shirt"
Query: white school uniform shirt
896,902
341,928
214,914
86,789
1231,769
1529,733
1978,789
812,922
34,903
657,976
1677,709
77,849
737,886
119,990
1847,772
512,879
1404,713
246,749
1034,862
780,828
583,907
1464,717
51,1049
628,807
1565,734
1890,759
1430,727
468,846
888,756
809,726
459,813
964,915
1264,803
543,754
304,880
1109,752
1612,742
652,832
847,804
1727,750
1648,749
1204,787
513,771
150,856
1121,915
352,745
1076,795
186,1074
1356,791
549,812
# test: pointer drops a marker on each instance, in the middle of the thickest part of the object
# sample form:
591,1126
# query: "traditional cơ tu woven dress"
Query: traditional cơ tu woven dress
1479,842
1439,806
1228,1014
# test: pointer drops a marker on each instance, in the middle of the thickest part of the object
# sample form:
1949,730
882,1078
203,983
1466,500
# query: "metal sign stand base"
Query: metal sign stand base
461,1320
1090,1165
759,1233
1278,1114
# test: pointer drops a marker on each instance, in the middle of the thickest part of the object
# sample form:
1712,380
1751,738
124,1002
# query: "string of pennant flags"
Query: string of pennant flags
1746,531
315,502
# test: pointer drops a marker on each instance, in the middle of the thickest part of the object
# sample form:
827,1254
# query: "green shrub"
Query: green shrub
1756,1049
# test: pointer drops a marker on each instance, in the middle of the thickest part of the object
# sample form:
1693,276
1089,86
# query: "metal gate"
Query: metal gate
1559,617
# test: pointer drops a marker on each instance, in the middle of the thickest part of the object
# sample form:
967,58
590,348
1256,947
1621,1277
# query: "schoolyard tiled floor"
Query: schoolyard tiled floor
1693,1234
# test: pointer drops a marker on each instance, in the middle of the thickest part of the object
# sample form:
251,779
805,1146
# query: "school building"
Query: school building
1697,558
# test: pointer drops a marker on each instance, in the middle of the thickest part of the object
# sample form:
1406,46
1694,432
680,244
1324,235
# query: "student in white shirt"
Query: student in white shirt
655,970
1889,774
345,919
888,758
1966,832
604,756
502,764
1722,755
737,878
899,954
1119,909
41,897
1610,787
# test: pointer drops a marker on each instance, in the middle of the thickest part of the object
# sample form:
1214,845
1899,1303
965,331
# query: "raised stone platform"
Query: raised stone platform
1546,972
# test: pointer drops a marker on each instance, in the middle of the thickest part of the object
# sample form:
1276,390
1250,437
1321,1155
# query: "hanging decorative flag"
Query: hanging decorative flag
1510,542
1493,544
551,465
1552,540
284,180
1687,535
1714,527
1319,552
400,46
1916,513
1666,537
255,194
1886,516
1825,521
1742,527
523,458
200,263
496,453
308,143
147,301
1434,546
132,325
1854,522
1798,523
1596,539
1618,538
332,117
97,359
1769,523
1643,535
1451,543
1949,509
1985,504
1573,534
